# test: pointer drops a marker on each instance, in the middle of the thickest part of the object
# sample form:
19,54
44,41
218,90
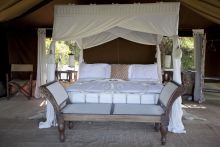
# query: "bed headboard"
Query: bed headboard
121,51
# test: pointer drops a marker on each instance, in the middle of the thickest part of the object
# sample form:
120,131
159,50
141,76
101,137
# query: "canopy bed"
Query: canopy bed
92,25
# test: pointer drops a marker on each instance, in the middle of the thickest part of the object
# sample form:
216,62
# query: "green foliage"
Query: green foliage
62,53
71,45
63,50
73,49
187,46
167,45
47,44
187,42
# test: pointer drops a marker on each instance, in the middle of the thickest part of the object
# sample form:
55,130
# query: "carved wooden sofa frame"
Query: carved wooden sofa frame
66,112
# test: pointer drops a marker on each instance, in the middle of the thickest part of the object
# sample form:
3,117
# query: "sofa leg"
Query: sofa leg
61,129
163,131
70,124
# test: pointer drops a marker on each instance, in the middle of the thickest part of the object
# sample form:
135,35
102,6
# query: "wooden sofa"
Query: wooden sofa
67,112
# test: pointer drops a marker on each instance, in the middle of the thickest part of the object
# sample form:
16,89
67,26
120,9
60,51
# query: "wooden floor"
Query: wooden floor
19,119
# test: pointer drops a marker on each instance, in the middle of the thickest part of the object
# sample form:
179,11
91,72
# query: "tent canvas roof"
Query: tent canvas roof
34,15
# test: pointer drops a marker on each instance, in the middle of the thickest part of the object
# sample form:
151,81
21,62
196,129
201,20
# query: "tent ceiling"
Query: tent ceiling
43,16
10,9
4,4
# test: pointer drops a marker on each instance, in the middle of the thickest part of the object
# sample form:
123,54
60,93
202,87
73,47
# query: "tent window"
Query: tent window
187,46
62,52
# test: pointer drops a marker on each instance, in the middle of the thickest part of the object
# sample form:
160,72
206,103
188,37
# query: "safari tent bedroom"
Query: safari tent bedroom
122,37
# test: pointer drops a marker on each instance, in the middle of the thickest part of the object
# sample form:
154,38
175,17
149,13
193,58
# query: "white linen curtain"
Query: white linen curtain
41,61
51,67
138,37
81,59
158,56
116,32
199,46
175,123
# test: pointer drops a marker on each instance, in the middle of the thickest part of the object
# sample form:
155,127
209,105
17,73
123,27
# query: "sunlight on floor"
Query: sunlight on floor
193,106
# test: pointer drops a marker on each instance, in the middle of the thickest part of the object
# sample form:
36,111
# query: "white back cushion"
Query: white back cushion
94,71
147,72
167,92
58,92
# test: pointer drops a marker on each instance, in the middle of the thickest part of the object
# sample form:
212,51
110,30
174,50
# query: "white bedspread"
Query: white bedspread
114,91
115,86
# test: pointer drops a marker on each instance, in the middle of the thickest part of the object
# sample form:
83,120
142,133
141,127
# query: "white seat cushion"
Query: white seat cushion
87,109
138,109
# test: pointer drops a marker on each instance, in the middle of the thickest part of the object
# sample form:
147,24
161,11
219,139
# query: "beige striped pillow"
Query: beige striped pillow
119,71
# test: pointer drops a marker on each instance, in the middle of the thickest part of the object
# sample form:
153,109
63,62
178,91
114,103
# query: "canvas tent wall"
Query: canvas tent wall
91,25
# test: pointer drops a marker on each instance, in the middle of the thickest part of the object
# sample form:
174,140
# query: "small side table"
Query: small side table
66,75
167,74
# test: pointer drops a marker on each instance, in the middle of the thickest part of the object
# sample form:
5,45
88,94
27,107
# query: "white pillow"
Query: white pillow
94,71
147,72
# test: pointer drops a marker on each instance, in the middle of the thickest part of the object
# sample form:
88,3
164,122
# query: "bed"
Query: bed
116,83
